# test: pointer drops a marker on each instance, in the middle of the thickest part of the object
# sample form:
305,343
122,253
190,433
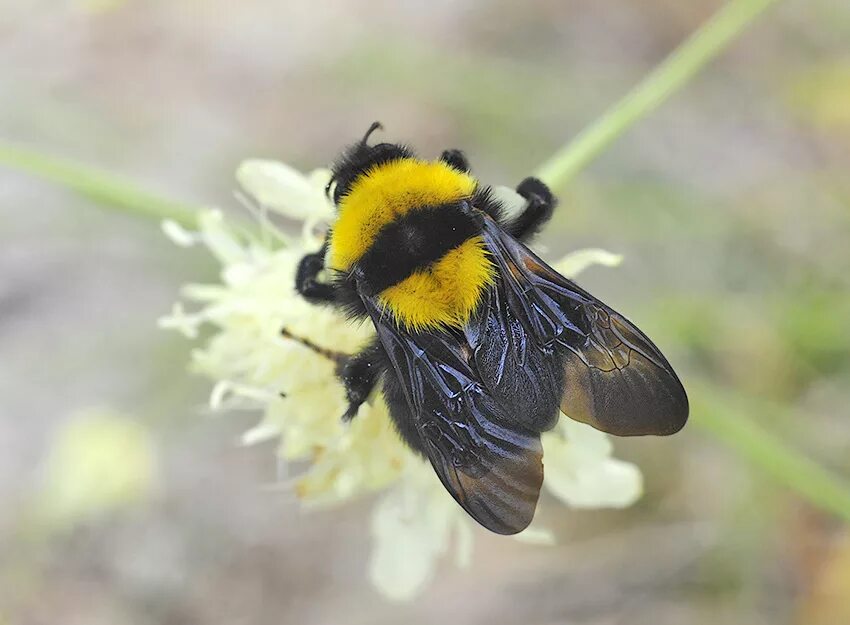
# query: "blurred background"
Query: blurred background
731,204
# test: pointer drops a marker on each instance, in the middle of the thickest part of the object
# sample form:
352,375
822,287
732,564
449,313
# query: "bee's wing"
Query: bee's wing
490,464
612,376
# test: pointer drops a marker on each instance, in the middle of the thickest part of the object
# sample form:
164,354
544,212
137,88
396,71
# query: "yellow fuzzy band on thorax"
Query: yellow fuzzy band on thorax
446,293
383,194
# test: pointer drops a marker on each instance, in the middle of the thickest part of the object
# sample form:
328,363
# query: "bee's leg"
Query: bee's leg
359,374
307,278
540,203
456,159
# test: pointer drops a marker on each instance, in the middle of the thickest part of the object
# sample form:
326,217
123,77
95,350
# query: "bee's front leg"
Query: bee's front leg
307,278
540,204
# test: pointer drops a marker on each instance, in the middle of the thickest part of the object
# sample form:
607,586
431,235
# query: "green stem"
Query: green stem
103,187
667,78
729,418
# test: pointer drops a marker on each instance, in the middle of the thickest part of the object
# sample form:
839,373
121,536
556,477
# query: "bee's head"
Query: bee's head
359,158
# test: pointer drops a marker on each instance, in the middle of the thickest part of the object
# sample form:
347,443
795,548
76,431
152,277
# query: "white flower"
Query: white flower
254,367
283,189
99,462
581,472
413,525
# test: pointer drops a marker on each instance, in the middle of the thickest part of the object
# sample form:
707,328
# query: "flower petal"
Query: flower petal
512,201
464,541
178,234
533,535
574,263
412,527
404,553
581,472
185,323
220,239
286,190
260,433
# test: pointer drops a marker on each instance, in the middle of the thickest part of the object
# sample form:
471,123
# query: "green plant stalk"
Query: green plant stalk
667,78
728,417
102,187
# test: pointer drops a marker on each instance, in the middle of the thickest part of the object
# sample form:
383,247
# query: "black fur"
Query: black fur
416,240
307,278
348,297
359,374
484,200
538,210
456,159
394,395
359,158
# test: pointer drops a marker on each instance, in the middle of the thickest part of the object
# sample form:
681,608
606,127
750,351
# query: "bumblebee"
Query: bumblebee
479,343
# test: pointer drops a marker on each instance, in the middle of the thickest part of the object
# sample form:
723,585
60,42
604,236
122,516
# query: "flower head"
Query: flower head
296,391
98,463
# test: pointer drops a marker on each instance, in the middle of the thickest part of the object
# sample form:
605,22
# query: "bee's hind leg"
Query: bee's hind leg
539,206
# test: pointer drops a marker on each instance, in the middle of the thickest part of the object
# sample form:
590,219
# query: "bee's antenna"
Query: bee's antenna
336,357
375,126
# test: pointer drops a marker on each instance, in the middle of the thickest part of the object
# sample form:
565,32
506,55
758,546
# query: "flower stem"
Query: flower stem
103,187
729,418
667,78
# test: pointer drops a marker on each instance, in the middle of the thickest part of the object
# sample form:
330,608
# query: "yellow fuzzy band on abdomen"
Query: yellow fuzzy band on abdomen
385,193
445,294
